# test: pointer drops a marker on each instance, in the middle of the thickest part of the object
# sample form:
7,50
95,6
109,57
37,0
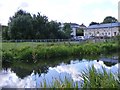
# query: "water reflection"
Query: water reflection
9,78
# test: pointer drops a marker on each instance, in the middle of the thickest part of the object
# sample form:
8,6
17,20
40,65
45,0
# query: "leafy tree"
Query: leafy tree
40,24
67,30
24,26
80,32
54,28
93,23
5,33
20,25
109,19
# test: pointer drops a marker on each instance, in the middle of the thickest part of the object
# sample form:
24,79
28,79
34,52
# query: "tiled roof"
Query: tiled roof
108,25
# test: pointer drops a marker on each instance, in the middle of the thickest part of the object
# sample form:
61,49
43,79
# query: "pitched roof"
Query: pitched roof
108,25
82,25
74,24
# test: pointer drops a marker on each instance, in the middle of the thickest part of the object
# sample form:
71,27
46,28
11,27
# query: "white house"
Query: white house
74,27
102,30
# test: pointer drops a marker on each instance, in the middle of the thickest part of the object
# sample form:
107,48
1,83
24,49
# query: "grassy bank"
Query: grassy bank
37,51
91,79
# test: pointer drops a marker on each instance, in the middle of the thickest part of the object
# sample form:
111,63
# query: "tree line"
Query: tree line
108,19
23,25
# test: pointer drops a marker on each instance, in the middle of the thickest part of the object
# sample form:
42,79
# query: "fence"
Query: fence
39,40
63,40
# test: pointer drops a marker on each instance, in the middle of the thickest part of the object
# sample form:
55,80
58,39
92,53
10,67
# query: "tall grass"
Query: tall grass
91,79
50,51
59,83
99,79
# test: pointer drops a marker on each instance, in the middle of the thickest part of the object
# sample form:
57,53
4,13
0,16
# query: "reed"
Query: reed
50,51
92,78
99,79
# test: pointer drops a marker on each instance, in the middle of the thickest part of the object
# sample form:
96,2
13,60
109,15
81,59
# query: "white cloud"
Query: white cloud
78,11
9,79
75,69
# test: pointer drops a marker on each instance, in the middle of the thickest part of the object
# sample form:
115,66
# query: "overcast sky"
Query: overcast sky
75,11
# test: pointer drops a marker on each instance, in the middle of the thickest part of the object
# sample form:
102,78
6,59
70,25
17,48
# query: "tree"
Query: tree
20,25
40,26
5,33
109,19
53,30
80,32
24,26
93,23
67,30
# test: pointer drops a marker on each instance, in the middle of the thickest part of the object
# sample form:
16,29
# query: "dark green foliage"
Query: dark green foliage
25,54
7,56
20,26
108,47
23,25
67,30
5,34
49,51
80,32
93,23
109,19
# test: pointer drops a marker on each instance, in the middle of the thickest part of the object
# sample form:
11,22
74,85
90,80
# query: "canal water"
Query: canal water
23,74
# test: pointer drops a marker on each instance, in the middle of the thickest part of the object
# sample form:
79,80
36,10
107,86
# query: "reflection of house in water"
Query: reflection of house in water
109,64
109,61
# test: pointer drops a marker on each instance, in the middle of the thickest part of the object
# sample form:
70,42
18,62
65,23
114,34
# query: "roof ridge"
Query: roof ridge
104,25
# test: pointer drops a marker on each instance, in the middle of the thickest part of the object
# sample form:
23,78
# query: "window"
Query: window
89,33
106,34
115,33
97,32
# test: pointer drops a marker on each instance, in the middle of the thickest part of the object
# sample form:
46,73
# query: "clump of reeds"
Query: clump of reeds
99,79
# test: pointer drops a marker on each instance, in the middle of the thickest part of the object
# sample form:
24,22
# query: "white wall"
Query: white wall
101,32
73,32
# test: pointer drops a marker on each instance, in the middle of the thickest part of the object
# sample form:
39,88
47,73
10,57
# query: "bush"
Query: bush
54,51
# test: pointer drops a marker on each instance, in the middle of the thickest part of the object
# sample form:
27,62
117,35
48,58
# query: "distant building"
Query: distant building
102,30
75,27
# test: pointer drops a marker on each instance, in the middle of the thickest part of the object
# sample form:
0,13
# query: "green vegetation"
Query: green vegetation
25,26
91,79
37,51
99,79
29,52
109,19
